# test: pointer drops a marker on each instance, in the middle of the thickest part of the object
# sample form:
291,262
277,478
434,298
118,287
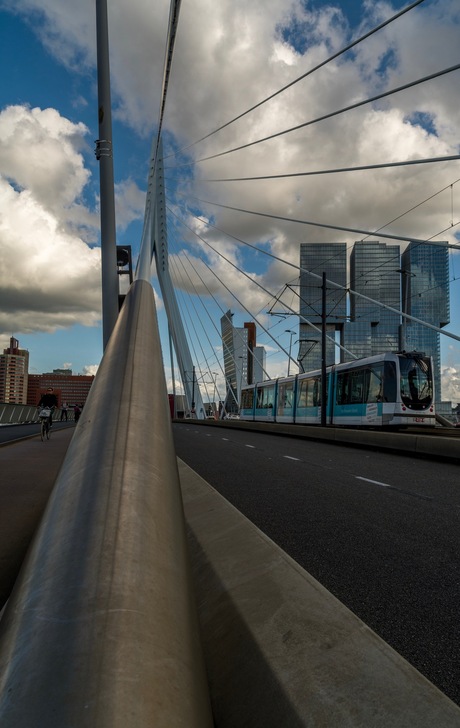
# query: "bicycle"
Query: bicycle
44,417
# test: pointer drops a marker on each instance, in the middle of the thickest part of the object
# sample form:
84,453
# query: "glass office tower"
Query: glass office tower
317,258
374,273
425,289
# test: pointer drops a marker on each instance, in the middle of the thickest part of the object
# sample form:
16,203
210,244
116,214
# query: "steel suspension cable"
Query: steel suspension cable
304,75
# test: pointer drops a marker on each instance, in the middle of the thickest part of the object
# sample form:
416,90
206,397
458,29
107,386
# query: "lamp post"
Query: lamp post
292,333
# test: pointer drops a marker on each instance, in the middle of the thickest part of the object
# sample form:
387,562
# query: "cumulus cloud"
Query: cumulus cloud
49,275
228,57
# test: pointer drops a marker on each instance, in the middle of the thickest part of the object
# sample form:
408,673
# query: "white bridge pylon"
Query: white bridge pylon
159,248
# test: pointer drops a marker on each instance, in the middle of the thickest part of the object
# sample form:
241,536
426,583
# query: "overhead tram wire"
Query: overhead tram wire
330,115
315,275
300,78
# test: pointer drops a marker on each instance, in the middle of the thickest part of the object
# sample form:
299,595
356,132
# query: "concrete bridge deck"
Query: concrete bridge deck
278,646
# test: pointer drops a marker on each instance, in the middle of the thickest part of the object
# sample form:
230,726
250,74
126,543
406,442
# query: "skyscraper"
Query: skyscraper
330,258
374,273
14,372
244,362
425,286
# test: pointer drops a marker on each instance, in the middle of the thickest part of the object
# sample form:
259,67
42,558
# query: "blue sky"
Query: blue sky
227,58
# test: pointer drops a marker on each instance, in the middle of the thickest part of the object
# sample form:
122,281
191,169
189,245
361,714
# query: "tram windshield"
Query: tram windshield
416,382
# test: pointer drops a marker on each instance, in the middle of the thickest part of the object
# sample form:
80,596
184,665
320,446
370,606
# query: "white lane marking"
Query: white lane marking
288,457
225,439
253,446
375,482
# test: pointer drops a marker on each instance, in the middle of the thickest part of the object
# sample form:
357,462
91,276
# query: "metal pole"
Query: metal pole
288,331
173,375
193,391
104,154
323,354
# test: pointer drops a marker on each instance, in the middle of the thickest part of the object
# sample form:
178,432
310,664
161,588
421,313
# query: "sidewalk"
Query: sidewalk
28,470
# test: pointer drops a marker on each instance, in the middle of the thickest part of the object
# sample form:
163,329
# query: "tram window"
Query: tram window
260,397
313,393
286,395
247,398
374,383
389,382
302,398
265,397
350,387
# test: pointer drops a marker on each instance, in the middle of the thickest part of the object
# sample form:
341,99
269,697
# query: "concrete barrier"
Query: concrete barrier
280,650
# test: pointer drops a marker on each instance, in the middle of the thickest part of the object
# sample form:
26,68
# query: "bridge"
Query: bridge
145,598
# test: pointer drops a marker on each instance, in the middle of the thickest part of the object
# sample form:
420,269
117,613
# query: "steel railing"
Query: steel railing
101,629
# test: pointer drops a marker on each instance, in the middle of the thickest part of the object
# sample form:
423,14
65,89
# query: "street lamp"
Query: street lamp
289,331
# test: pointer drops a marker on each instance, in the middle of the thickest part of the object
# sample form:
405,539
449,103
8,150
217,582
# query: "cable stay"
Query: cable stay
358,231
338,170
301,78
318,277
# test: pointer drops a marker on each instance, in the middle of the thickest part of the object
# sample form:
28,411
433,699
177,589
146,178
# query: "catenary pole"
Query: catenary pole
104,154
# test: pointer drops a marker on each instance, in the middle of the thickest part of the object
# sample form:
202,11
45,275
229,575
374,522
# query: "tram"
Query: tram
387,390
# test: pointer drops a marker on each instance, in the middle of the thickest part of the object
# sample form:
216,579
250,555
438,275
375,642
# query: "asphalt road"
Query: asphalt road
380,531
9,433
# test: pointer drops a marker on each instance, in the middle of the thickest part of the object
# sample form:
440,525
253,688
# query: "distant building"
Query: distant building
425,296
416,283
14,372
259,364
319,258
244,362
375,274
73,388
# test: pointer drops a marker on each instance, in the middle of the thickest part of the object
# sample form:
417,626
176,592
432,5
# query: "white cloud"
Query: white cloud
228,56
49,276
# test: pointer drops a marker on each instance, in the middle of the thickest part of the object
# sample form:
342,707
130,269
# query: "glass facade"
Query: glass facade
416,282
374,273
426,296
317,258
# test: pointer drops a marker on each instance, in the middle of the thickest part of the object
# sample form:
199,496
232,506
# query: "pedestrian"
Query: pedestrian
64,409
77,412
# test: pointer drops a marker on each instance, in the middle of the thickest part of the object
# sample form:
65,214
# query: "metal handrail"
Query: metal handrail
101,629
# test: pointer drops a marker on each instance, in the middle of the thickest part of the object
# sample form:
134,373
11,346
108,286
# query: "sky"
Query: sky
229,55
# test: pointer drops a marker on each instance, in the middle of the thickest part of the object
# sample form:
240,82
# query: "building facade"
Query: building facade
316,258
70,388
375,275
425,294
416,283
244,362
14,373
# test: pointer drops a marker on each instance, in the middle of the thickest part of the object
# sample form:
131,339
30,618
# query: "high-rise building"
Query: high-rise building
425,287
416,282
319,258
14,372
259,365
375,274
244,362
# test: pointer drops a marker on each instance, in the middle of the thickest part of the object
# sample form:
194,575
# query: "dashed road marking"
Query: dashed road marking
375,482
288,457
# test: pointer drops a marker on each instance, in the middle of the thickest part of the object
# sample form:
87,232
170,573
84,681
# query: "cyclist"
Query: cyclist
49,399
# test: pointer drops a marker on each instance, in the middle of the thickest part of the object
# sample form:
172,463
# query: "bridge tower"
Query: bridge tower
159,247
